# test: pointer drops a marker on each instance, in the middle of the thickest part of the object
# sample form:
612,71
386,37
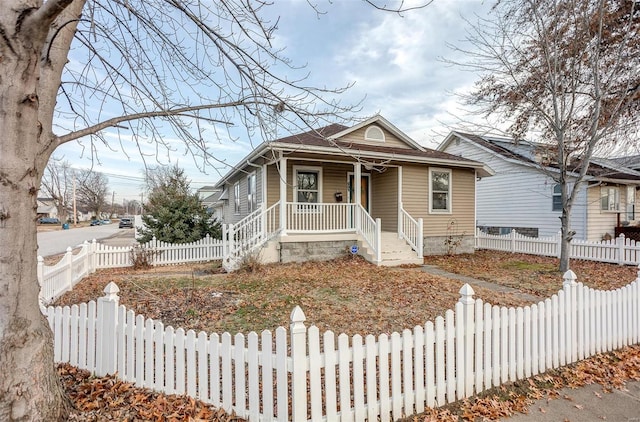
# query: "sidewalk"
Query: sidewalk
584,404
588,403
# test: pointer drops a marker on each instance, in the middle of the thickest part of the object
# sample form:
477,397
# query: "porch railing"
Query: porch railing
249,234
370,229
411,230
319,218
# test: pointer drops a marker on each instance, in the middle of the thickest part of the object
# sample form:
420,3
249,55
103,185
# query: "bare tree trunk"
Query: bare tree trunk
30,389
565,242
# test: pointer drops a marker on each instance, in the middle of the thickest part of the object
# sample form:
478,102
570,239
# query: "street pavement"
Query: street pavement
57,241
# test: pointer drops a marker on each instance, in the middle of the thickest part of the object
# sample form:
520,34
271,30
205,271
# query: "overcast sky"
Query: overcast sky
395,63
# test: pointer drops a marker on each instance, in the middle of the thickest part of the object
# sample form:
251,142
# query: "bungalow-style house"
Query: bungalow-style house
295,198
523,196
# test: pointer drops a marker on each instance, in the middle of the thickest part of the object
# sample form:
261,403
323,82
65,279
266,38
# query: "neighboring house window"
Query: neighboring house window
308,185
556,198
252,198
609,199
374,133
236,198
440,191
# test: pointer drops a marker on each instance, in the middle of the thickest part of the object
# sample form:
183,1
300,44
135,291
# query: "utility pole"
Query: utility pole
113,195
75,213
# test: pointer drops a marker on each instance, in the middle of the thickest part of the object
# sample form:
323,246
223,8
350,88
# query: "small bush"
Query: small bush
141,257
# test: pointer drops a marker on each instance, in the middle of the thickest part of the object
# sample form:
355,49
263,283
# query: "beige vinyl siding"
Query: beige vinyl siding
390,140
229,210
415,192
384,198
600,222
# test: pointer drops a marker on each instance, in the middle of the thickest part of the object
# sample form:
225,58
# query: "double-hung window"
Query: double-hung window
556,198
440,191
308,188
252,197
236,198
609,198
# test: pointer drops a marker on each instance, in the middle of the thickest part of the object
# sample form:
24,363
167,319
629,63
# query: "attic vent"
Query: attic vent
374,133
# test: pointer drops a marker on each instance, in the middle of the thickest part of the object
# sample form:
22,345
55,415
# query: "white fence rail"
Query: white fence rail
619,251
262,377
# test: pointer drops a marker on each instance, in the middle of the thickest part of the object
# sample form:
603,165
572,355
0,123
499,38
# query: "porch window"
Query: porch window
252,197
440,191
556,198
308,188
609,198
236,198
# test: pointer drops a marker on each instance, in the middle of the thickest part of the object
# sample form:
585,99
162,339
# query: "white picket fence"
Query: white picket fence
618,251
300,375
59,278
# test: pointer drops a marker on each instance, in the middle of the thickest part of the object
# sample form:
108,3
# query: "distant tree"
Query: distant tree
57,184
172,212
92,191
565,72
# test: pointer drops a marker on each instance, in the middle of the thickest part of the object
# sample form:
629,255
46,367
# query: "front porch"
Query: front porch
297,232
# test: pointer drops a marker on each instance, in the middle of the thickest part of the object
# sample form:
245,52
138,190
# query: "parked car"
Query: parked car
105,221
126,222
95,223
48,220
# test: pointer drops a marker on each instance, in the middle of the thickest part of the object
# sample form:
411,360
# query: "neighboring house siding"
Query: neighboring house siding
517,196
389,141
602,222
384,198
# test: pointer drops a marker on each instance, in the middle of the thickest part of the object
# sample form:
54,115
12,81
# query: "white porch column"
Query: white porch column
400,205
357,191
283,194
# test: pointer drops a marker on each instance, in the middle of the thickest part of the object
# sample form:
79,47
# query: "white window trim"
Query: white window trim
366,134
251,208
237,204
607,188
296,169
450,201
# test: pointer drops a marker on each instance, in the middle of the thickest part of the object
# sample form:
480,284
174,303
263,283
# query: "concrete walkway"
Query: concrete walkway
435,270
584,404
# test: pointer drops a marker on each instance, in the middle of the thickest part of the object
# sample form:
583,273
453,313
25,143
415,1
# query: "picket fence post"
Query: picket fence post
40,270
94,256
299,365
513,241
468,304
559,246
106,330
620,243
569,285
68,259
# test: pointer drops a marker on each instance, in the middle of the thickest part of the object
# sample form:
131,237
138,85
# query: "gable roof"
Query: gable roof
327,140
599,168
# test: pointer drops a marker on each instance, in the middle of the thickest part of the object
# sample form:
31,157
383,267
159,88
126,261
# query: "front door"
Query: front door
364,190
